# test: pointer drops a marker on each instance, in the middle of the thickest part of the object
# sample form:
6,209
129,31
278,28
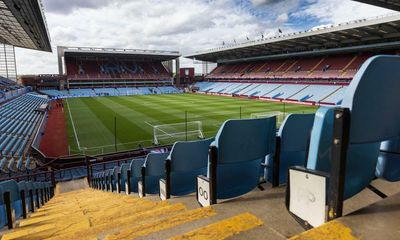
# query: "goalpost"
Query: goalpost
279,115
177,131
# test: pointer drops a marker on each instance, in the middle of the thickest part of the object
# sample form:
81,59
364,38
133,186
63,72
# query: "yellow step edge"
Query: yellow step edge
27,232
333,230
156,226
129,220
223,229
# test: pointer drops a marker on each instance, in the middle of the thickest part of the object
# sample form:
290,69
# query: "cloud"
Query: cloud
183,25
65,7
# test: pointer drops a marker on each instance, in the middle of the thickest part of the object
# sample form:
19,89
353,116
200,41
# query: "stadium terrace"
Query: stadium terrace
294,136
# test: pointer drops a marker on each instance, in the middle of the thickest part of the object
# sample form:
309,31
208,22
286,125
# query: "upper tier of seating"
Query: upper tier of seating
332,67
308,93
18,121
89,70
10,89
94,92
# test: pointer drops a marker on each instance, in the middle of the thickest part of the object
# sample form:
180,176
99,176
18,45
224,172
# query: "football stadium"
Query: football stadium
294,135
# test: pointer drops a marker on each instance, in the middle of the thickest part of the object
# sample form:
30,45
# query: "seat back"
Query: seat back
187,161
123,170
294,135
388,166
245,140
372,99
12,187
136,173
241,147
154,170
115,172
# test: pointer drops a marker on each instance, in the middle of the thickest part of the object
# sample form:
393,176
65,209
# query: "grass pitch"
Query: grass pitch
91,121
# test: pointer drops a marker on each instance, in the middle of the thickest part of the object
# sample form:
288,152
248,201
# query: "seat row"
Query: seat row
324,159
19,199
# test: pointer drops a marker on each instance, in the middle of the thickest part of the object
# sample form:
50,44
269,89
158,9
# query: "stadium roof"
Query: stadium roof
23,24
110,52
390,4
381,32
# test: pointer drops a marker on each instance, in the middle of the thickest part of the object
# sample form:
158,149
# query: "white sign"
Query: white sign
140,189
126,188
163,190
203,192
308,197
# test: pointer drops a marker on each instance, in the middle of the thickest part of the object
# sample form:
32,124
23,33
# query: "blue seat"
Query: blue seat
370,105
101,180
236,155
30,187
135,174
153,170
293,137
107,179
185,162
16,204
388,166
22,186
123,170
114,178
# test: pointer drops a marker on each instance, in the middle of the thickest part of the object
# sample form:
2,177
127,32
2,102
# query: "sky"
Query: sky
186,26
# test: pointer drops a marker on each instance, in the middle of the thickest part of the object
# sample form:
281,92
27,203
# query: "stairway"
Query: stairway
93,214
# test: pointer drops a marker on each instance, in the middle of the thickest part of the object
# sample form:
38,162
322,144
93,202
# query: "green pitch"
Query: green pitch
95,124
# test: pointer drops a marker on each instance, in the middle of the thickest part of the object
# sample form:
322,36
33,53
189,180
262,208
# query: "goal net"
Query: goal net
279,115
168,133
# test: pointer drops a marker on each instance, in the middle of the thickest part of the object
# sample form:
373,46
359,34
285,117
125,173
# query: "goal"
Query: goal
168,133
279,115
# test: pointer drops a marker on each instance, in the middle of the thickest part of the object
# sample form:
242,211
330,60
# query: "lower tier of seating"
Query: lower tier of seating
303,93
94,92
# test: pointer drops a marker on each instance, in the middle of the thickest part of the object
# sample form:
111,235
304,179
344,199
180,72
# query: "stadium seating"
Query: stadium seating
185,162
122,179
341,66
356,130
134,174
99,70
152,171
18,121
312,93
22,198
292,142
236,157
88,92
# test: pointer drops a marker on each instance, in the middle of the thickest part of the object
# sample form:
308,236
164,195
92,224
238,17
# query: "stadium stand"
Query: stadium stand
110,92
89,70
301,93
19,120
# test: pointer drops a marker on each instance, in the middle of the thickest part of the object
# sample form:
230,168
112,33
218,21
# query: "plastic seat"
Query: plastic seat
123,174
12,187
236,155
135,174
153,170
293,137
186,161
